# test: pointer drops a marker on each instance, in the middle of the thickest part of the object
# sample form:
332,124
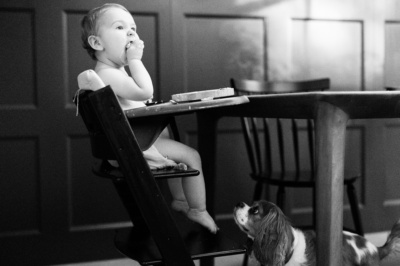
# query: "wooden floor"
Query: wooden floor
376,238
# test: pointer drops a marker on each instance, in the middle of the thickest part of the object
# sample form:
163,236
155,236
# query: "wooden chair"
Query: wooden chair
156,236
270,165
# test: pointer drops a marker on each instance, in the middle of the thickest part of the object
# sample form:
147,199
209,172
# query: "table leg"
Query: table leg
330,125
207,145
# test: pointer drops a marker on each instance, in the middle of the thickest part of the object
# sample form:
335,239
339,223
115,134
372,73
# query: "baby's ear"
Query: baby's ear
95,43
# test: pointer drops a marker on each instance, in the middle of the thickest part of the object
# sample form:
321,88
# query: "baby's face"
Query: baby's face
116,29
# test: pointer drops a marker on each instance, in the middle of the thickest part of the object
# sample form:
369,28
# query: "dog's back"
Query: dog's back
360,251
268,226
392,244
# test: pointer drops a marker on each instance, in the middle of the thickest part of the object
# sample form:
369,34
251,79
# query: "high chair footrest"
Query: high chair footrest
200,243
104,169
174,173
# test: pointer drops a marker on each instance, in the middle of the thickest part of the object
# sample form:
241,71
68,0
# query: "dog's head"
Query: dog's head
270,230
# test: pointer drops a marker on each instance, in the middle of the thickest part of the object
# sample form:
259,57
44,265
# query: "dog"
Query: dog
277,243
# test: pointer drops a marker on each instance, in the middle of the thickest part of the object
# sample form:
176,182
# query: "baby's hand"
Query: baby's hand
134,50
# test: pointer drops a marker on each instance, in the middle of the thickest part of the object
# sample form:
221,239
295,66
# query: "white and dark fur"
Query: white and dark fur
277,243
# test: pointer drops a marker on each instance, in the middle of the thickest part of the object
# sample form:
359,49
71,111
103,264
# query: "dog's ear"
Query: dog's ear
273,239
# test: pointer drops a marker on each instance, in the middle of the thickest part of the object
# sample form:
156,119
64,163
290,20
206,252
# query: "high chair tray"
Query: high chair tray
170,108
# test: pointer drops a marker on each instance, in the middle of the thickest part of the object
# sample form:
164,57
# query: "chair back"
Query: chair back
275,148
101,148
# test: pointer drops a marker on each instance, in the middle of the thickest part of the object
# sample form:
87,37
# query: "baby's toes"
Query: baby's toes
181,166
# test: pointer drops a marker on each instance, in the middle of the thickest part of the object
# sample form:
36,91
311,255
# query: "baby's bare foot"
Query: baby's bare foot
180,206
181,166
203,217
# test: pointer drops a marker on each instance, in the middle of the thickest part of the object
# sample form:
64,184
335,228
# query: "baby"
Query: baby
109,36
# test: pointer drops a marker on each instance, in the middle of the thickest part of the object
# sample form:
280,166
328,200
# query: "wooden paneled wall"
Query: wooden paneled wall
52,204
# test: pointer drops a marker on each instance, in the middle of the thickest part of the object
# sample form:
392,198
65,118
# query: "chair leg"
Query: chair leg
314,208
355,211
280,198
267,192
245,259
258,191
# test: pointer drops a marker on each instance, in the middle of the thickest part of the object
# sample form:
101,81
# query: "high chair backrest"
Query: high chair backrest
99,143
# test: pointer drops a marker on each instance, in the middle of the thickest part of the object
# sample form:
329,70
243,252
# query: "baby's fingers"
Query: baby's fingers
138,44
134,49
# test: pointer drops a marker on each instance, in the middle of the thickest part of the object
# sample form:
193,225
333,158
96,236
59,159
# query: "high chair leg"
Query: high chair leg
355,211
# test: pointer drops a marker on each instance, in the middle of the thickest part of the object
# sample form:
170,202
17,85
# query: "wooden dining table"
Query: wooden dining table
330,111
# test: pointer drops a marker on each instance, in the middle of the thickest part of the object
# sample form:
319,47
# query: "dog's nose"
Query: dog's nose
240,205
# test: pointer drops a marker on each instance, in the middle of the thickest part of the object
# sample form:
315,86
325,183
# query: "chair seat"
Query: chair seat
292,179
138,244
104,169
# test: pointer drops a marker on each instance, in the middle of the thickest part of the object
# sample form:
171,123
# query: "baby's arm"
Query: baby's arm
139,87
139,73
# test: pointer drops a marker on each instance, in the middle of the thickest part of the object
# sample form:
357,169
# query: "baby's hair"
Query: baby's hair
89,25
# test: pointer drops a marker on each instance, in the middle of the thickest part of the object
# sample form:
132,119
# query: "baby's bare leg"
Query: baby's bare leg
191,189
179,202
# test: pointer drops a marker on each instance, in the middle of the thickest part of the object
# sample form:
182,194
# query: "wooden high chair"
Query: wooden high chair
156,236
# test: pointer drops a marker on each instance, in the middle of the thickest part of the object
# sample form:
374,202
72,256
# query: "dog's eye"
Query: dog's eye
254,210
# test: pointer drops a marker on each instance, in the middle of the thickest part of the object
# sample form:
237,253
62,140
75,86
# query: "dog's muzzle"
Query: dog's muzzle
240,213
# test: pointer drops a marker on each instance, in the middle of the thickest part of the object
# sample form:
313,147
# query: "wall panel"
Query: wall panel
328,48
20,193
218,48
17,52
391,184
392,54
93,201
392,161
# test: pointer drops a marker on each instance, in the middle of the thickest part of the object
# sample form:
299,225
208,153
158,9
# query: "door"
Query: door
53,209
